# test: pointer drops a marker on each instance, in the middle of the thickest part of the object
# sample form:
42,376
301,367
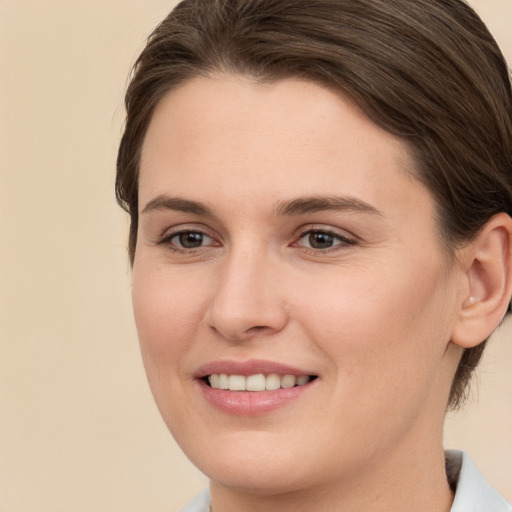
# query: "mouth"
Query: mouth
257,382
253,387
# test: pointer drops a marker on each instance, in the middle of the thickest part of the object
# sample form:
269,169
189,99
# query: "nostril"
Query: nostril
257,328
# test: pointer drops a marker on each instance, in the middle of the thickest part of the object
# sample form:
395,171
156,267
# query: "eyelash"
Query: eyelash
343,241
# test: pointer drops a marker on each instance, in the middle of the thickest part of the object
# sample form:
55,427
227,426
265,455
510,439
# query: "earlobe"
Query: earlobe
488,274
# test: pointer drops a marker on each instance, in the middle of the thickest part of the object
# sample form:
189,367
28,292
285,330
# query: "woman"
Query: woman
319,195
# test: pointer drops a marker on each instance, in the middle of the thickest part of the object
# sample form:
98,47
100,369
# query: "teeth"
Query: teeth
236,383
214,381
303,379
288,381
255,382
273,382
258,382
223,381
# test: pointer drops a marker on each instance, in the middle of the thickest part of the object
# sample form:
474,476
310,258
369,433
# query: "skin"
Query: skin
371,316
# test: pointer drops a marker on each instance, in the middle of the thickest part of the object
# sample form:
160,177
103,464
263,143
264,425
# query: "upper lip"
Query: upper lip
246,368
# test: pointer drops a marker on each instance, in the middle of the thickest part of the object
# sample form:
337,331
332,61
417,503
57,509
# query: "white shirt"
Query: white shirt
473,493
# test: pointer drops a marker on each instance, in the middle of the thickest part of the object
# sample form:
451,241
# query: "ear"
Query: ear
487,264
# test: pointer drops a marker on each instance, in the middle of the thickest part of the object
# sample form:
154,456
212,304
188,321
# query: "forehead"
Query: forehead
274,131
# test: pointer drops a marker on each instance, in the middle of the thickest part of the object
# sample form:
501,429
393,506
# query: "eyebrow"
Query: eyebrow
165,202
299,206
314,204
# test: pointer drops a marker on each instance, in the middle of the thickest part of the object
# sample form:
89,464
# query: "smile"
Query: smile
256,382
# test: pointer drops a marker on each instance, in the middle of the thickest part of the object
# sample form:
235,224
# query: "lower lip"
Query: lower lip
252,403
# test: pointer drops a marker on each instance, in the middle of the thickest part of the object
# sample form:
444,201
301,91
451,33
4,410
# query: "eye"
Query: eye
320,239
188,240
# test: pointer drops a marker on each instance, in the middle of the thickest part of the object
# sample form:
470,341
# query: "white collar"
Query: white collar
473,493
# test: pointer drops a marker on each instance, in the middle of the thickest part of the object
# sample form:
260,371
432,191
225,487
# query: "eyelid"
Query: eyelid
325,228
186,226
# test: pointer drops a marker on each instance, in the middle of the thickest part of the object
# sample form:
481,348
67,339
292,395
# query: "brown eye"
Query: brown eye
190,239
320,240
186,240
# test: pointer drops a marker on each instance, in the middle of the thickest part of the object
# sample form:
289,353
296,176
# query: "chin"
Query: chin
256,479
250,463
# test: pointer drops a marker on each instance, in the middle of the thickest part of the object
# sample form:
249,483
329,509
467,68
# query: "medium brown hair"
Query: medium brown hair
427,71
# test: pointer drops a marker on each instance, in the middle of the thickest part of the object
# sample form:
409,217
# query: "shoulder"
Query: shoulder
473,493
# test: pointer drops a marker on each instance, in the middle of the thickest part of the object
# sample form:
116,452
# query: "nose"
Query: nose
248,301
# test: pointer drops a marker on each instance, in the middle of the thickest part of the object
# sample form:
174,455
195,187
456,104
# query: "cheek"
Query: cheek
167,315
382,331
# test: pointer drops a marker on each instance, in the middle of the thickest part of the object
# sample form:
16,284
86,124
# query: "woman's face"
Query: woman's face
282,233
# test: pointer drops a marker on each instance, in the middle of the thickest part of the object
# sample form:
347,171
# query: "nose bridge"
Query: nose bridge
246,301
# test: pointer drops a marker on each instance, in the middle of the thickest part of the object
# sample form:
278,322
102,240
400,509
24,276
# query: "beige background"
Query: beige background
78,428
